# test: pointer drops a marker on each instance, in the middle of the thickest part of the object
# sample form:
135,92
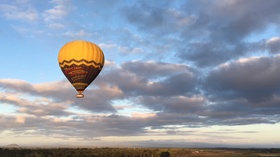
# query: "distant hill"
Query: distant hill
12,146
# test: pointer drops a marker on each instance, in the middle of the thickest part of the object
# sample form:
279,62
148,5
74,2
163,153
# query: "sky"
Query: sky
182,73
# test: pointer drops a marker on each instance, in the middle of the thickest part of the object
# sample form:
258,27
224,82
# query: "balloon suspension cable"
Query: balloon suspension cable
80,94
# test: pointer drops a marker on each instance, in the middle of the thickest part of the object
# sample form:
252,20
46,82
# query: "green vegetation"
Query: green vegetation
135,152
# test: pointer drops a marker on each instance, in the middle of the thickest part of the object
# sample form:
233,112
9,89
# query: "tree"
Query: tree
164,154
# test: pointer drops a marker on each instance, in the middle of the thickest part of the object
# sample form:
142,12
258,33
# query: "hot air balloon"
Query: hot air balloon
81,62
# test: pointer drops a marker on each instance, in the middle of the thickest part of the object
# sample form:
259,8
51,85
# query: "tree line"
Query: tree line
84,152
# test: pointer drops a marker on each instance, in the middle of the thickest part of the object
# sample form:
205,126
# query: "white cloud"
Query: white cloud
18,13
60,10
77,35
51,86
122,49
109,63
273,39
108,46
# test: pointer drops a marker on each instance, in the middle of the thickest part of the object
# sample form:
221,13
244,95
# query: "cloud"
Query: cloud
240,92
171,97
143,81
204,33
77,35
152,69
174,104
20,119
122,49
52,100
15,12
60,10
56,25
59,92
225,24
160,18
56,18
252,78
273,45
33,21
226,29
37,107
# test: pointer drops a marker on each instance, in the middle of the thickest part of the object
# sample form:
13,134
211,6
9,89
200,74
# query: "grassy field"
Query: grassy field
136,152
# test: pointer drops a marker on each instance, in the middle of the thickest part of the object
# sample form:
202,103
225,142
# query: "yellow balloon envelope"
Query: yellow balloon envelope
81,62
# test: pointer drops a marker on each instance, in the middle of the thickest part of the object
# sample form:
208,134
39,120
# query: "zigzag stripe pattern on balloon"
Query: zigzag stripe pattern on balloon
80,62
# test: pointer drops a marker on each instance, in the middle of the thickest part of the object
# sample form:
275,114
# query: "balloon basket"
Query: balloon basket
79,95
